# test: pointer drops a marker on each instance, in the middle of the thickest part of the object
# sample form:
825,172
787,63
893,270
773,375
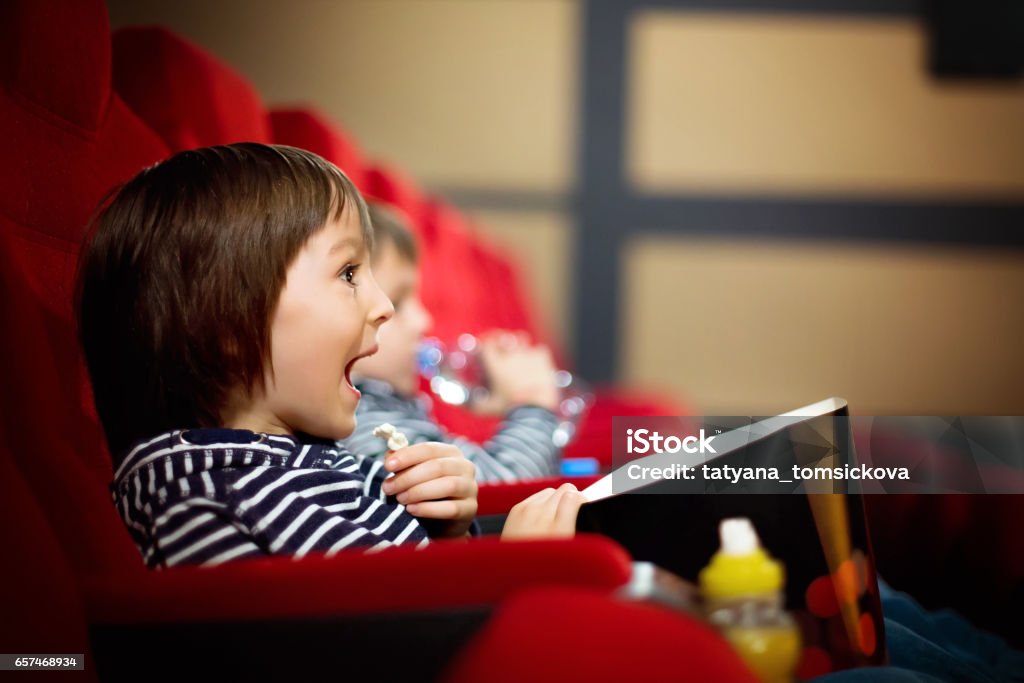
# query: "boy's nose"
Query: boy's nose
381,309
383,312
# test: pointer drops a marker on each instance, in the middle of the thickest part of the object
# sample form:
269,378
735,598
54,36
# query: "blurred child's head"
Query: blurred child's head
229,286
395,267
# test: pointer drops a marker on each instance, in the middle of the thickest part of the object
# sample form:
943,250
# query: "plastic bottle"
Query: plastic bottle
742,589
456,376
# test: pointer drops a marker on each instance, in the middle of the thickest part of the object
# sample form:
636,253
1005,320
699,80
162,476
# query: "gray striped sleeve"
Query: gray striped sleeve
522,448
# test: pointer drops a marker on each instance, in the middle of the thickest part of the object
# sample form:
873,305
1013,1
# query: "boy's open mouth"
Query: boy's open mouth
348,366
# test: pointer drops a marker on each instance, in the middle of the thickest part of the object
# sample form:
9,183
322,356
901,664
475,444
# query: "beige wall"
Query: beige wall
737,103
759,328
481,94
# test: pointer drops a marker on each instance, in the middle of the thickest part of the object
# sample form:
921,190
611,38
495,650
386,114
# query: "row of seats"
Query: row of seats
76,121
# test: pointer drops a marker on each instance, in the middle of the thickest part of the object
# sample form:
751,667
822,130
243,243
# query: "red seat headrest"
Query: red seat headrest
309,130
392,187
188,96
56,57
68,139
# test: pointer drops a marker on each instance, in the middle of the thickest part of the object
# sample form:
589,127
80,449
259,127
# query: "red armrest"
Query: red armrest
498,499
442,575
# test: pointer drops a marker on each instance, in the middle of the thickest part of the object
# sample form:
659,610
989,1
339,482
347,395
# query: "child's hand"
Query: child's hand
434,481
517,373
550,513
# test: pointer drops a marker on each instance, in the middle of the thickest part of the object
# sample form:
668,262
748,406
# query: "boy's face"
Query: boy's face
327,316
395,363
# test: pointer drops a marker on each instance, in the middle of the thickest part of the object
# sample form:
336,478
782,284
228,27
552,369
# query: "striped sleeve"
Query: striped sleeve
369,469
206,504
305,511
522,448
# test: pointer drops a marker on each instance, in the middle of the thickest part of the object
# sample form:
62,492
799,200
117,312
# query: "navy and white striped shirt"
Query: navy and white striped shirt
206,496
522,448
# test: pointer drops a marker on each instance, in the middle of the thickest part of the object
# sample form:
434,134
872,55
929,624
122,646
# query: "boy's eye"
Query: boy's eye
348,274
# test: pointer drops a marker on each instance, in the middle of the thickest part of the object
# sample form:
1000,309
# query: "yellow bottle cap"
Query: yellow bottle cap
741,566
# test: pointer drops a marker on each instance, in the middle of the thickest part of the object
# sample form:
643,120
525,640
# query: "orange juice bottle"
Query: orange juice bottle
742,588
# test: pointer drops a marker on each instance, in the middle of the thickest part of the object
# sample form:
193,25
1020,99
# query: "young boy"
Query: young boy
223,298
521,376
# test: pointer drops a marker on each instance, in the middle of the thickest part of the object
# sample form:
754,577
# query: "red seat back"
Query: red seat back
389,185
453,287
188,96
69,141
574,634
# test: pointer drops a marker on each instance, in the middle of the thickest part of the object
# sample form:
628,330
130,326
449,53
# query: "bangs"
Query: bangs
323,188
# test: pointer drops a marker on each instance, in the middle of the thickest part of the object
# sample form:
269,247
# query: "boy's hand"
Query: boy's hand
550,513
434,481
517,373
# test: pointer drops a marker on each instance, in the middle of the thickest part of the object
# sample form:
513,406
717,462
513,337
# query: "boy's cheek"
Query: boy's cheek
309,387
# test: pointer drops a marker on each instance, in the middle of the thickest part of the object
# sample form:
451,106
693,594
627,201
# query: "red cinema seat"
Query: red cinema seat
454,289
635,642
309,130
68,140
514,310
59,452
391,186
188,96
505,310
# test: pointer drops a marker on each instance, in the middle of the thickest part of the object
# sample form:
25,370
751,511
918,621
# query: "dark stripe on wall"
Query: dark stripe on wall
855,7
967,223
496,199
601,188
963,223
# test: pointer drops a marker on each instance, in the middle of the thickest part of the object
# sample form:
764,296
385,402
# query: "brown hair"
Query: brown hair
180,276
389,226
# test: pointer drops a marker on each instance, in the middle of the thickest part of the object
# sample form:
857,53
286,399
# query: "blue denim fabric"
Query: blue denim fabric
934,647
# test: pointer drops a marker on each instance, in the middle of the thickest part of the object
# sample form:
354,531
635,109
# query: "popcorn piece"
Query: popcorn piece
395,439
